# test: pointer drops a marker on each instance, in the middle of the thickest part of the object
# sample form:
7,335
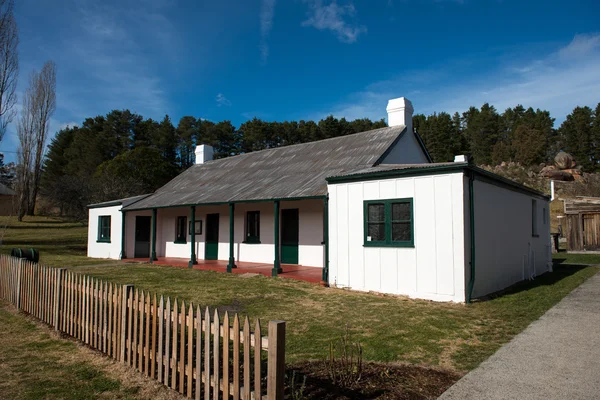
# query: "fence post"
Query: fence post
124,297
60,273
276,360
19,274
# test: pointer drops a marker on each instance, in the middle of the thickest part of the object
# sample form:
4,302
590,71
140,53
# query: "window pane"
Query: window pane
180,230
401,211
376,213
104,231
376,232
253,224
401,232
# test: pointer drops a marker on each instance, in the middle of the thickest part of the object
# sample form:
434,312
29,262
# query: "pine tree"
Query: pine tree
482,130
166,140
576,136
187,132
529,145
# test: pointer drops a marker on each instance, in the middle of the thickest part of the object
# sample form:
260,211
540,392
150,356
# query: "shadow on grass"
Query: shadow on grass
559,260
561,271
52,221
39,227
69,243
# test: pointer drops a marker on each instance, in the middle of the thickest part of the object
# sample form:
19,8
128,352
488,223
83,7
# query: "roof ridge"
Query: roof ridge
309,143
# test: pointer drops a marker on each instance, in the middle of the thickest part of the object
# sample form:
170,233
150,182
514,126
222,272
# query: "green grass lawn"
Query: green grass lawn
391,329
36,364
586,259
61,242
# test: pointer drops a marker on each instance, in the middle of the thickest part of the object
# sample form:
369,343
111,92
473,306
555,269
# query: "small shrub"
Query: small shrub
345,362
297,391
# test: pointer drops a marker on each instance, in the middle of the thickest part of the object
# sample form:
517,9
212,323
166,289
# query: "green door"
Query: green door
211,248
289,236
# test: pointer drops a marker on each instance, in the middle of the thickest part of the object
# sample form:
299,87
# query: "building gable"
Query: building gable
408,149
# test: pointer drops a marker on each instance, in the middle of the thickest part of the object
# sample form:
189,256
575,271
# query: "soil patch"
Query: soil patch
378,381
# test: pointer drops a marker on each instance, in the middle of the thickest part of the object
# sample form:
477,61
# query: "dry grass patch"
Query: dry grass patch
36,363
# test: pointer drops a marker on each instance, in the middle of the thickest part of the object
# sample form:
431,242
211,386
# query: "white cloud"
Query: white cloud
557,82
580,46
332,17
222,100
110,47
106,58
267,13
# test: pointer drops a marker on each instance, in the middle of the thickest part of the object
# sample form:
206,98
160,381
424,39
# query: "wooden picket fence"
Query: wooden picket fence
190,351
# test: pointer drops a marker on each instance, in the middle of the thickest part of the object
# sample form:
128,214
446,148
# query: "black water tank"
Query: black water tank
28,254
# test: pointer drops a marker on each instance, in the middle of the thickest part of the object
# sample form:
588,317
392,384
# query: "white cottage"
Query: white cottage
369,210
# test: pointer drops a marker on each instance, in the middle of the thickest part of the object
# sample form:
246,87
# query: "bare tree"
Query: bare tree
44,105
26,135
39,103
9,64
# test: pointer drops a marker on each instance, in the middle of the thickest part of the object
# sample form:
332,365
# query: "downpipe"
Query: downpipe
472,236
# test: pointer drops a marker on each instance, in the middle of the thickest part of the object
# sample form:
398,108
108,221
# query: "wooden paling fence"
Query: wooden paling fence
191,351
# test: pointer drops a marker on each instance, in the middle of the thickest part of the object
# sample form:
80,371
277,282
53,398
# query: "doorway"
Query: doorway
211,247
290,232
142,236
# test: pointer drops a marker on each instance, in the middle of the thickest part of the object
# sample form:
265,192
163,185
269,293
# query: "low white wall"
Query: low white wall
433,269
310,249
505,250
104,249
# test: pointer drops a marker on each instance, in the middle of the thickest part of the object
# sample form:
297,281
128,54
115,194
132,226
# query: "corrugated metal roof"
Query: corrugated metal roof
284,172
124,202
393,167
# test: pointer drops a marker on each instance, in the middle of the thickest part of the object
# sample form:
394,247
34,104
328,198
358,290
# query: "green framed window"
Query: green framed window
180,230
389,223
252,227
104,228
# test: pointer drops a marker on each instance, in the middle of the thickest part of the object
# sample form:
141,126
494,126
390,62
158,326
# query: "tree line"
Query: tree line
122,154
526,136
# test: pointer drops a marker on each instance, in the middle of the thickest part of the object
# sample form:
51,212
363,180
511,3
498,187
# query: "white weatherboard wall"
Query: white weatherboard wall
310,250
406,151
505,250
103,249
433,269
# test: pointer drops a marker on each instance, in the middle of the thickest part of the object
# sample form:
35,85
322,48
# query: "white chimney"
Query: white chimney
461,158
400,112
204,153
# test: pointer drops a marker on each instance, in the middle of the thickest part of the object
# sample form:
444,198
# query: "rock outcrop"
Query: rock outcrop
565,168
564,160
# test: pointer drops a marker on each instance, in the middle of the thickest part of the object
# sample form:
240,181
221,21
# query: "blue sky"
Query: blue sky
305,59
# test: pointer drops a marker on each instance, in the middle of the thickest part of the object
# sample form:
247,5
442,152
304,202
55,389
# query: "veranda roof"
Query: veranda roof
124,202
